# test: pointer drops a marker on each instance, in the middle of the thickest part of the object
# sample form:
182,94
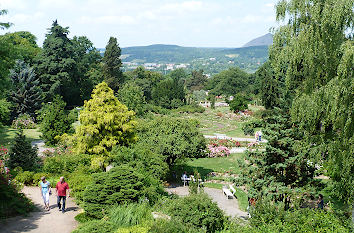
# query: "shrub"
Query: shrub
96,226
66,163
191,109
175,139
25,177
135,229
54,121
11,201
117,186
196,211
141,158
22,154
79,180
239,103
24,121
173,226
5,110
269,218
218,151
37,178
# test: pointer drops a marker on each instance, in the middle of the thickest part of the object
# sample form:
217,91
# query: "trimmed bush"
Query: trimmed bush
197,211
173,226
78,181
120,185
66,163
5,110
25,177
22,154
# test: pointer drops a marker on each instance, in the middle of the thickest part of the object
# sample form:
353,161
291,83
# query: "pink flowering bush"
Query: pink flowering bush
24,121
4,157
218,151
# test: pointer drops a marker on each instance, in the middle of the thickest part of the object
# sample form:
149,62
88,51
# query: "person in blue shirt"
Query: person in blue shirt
45,192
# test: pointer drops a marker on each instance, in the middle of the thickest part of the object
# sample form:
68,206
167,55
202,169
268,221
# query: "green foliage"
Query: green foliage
172,226
169,93
249,126
270,87
12,202
4,25
37,178
22,154
130,214
25,177
229,82
112,63
104,123
145,79
196,211
175,139
198,96
141,158
132,96
79,180
196,81
7,59
96,226
239,103
54,121
56,67
66,163
268,218
278,171
120,185
314,54
23,121
191,109
88,69
5,109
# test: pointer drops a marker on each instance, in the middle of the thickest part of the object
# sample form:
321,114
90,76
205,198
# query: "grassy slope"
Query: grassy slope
7,135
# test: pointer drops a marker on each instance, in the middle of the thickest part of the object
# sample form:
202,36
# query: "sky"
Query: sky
198,23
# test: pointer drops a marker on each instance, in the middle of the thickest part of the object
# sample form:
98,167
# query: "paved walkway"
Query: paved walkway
223,136
230,206
41,146
43,221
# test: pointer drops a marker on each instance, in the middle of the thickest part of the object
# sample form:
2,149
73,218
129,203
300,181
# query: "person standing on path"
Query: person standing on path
62,189
45,188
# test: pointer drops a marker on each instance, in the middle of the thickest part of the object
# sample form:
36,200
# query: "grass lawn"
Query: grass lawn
7,135
206,165
220,120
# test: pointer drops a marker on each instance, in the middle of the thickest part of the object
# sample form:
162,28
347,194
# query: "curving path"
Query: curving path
229,206
43,221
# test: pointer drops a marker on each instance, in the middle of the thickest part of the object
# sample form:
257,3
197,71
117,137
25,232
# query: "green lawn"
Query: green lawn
7,135
220,120
206,165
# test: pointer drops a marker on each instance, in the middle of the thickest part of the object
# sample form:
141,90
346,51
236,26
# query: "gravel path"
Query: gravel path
223,136
43,221
230,206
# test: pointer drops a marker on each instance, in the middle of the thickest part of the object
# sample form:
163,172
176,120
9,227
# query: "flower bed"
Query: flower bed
229,143
218,151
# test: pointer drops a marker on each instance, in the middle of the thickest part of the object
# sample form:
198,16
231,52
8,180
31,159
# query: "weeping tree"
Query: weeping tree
26,94
313,52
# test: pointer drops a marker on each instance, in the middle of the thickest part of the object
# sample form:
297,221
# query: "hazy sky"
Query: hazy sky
203,23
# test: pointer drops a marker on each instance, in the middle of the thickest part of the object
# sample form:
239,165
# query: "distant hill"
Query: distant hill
265,40
211,60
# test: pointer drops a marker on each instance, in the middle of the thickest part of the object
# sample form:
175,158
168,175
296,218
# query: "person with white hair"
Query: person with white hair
46,190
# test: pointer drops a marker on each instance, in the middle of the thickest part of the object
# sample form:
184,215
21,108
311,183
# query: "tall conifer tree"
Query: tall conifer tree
112,63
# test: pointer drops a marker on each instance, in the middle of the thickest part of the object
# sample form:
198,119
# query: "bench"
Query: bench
185,180
229,192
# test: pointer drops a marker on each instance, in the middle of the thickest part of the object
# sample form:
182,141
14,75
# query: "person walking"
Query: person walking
62,190
320,203
46,190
